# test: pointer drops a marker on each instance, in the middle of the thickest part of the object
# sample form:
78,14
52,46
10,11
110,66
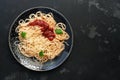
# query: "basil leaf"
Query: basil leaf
58,31
41,53
23,34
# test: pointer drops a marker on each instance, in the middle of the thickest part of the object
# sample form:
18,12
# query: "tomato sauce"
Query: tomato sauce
46,30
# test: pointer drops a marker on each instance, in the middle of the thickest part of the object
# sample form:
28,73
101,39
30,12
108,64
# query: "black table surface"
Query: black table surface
96,50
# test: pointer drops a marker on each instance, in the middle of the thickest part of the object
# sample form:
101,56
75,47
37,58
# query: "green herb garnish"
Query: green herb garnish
41,53
23,34
58,31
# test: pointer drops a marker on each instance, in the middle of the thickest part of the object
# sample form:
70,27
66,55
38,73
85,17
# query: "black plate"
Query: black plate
32,63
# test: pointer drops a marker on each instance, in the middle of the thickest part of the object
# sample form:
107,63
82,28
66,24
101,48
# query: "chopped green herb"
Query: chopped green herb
23,34
58,31
41,53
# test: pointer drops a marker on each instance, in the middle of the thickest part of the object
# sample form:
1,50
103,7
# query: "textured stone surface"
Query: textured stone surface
96,50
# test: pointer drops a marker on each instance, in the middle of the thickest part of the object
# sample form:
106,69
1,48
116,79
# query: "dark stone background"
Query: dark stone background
96,50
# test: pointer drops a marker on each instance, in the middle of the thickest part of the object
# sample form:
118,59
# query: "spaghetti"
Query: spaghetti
40,36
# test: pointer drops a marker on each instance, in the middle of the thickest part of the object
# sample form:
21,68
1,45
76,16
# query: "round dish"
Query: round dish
32,63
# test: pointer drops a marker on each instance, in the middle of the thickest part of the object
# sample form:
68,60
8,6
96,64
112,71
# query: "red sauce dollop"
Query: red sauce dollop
46,30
